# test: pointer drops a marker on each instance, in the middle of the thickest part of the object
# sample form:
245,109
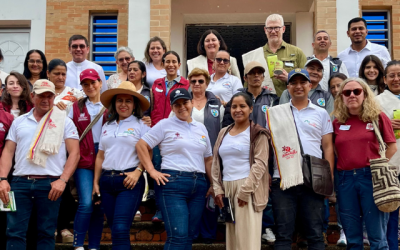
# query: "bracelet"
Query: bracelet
63,180
141,170
3,179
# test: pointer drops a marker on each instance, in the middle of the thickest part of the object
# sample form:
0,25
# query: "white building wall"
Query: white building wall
345,11
14,11
138,26
304,32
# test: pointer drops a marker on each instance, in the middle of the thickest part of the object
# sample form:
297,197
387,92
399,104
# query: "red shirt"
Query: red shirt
356,146
6,120
210,66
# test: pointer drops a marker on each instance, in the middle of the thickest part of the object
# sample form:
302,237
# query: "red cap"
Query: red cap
89,74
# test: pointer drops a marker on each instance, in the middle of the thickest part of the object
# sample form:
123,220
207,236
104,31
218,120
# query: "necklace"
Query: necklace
198,102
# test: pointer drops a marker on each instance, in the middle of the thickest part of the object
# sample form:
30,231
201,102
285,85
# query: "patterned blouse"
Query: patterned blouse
113,81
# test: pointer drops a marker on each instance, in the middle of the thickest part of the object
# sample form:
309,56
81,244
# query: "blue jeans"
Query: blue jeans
393,229
157,159
120,205
297,202
326,215
268,216
29,194
182,203
89,217
356,203
336,185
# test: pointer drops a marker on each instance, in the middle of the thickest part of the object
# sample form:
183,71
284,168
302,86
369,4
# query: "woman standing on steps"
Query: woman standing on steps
16,98
84,113
118,178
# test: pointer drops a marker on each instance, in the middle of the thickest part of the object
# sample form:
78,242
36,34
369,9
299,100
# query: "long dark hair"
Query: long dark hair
142,68
200,46
168,53
24,99
379,66
112,114
27,73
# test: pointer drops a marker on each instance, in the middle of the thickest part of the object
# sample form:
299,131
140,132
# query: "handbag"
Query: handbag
386,186
72,185
317,173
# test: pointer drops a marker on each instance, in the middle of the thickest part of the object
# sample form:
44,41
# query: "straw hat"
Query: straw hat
127,88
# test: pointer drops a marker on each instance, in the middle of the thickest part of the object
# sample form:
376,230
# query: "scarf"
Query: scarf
286,146
48,137
389,102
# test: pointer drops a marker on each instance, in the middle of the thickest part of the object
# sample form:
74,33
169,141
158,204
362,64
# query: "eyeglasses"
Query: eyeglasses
393,76
219,60
348,92
269,29
121,60
201,81
33,61
81,46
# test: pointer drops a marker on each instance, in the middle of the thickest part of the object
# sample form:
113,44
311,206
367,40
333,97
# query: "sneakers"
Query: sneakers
342,242
365,238
325,238
138,216
157,217
269,236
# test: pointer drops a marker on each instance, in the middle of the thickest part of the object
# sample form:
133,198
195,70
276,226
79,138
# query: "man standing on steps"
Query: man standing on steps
360,47
322,43
291,56
296,127
40,141
79,49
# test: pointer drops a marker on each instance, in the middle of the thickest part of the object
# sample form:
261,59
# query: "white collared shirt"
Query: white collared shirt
312,123
118,142
75,69
93,110
183,145
22,131
68,96
225,87
353,59
327,72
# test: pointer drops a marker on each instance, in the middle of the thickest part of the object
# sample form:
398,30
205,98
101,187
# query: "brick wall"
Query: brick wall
325,19
160,20
394,7
65,18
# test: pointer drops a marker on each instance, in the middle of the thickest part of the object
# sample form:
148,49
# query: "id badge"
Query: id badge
289,64
344,127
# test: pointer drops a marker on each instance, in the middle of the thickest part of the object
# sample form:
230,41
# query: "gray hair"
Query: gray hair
123,49
276,18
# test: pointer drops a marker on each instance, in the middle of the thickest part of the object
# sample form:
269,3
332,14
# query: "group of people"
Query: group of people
207,142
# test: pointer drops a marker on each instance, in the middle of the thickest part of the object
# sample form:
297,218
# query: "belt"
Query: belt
118,172
33,177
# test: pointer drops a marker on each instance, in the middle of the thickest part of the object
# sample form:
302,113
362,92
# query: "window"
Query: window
378,23
104,41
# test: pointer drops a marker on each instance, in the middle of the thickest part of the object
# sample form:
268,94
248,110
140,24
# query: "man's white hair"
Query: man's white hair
276,18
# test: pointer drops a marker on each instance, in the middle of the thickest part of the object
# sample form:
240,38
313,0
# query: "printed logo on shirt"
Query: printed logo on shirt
227,85
264,108
147,98
105,133
334,68
214,112
288,152
311,123
370,126
321,102
130,131
2,127
159,90
203,140
69,97
51,124
82,117
177,136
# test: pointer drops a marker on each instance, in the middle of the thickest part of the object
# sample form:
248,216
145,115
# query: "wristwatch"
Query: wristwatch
3,179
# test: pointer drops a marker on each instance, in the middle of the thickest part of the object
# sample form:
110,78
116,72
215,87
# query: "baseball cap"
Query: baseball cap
315,60
180,93
89,74
43,85
252,65
298,71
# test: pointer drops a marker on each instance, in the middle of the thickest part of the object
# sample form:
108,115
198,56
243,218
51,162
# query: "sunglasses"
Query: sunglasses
219,60
201,81
81,46
348,92
121,60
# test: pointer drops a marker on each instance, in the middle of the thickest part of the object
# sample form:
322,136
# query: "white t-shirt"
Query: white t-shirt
15,113
75,69
312,123
153,74
225,87
68,96
22,131
118,142
93,110
235,155
183,145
